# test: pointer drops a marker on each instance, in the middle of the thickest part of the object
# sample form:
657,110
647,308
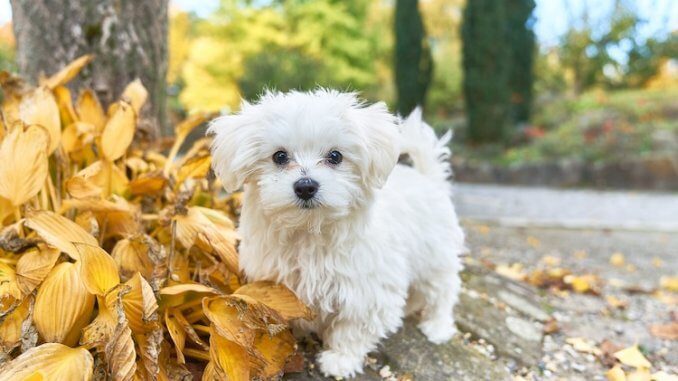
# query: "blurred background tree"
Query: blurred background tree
523,47
129,39
487,60
413,60
7,48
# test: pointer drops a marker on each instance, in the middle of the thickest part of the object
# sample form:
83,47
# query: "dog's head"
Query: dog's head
308,156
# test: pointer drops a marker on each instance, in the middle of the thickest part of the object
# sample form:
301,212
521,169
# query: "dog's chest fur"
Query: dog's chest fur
329,270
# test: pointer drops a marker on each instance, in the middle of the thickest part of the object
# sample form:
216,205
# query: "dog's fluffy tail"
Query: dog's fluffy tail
430,155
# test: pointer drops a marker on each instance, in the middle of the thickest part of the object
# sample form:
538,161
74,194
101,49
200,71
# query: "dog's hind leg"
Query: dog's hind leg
440,291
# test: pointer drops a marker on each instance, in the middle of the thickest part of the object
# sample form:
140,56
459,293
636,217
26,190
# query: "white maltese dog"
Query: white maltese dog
328,212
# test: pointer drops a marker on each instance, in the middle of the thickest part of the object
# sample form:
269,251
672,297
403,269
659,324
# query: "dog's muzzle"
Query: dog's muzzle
306,188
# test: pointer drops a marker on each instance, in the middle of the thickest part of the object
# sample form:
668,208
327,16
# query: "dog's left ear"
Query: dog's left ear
380,132
234,149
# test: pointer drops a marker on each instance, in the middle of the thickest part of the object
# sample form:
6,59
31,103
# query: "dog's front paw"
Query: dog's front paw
438,331
339,364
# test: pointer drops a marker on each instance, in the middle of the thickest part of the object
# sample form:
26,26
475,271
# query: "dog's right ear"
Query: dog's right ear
234,149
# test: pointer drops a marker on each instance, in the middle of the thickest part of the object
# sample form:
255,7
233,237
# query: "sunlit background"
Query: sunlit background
603,80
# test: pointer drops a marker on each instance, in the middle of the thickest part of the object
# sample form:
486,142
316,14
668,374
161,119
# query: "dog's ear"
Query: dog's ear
234,149
380,131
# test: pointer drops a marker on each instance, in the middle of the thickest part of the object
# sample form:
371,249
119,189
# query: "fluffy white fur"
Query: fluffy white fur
381,240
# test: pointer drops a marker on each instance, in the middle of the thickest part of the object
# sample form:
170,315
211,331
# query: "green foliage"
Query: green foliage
7,59
442,19
601,127
486,72
281,68
280,45
586,53
413,60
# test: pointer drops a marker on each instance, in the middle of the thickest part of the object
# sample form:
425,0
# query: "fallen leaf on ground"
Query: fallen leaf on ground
632,356
665,331
583,345
669,283
617,260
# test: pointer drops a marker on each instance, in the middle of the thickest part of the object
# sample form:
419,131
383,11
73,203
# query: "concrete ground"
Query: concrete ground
585,232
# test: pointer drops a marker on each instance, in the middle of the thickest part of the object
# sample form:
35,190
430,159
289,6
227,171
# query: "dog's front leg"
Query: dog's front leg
354,332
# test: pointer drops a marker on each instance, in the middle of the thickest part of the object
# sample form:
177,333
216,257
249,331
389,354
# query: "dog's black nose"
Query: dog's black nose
306,188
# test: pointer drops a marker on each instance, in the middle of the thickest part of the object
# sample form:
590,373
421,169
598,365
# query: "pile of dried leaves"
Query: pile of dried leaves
116,261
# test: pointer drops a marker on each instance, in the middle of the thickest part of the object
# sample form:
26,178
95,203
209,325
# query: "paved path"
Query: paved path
580,230
571,209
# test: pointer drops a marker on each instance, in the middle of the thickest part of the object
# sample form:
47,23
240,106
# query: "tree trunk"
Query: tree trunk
127,37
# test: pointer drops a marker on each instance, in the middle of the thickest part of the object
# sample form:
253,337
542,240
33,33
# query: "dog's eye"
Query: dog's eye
281,158
334,157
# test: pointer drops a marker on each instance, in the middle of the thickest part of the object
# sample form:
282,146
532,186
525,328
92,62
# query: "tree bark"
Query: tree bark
127,37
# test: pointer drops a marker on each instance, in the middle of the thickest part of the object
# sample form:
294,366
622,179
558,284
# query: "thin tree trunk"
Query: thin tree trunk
127,37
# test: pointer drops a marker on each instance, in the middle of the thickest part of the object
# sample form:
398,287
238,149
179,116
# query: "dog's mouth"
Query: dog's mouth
309,204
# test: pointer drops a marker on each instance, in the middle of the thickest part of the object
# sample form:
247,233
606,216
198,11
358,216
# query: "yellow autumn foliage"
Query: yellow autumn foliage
122,259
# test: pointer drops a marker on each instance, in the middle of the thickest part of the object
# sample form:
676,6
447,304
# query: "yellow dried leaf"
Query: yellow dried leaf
514,271
152,183
69,72
65,104
24,164
10,292
39,107
195,228
230,359
617,259
582,283
221,220
100,330
76,139
79,187
131,256
277,297
583,345
669,283
616,374
59,231
181,131
118,133
275,350
140,305
631,356
119,217
62,306
135,94
55,362
6,208
33,267
177,334
120,353
210,373
10,327
639,375
98,270
188,329
227,322
90,111
615,302
181,293
195,168
101,175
